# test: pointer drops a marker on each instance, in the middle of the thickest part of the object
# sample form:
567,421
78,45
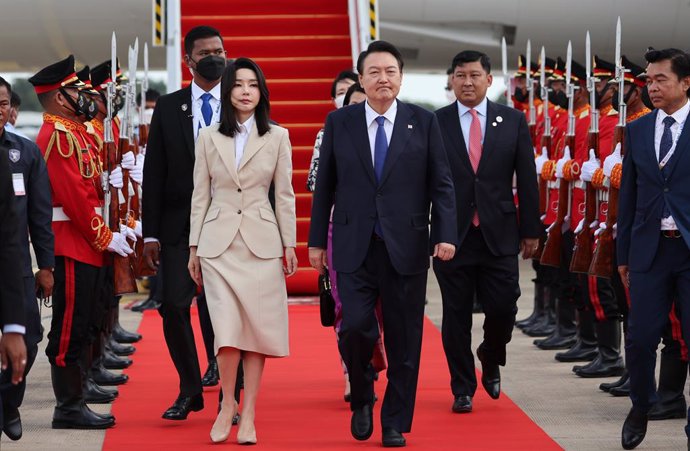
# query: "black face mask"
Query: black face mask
210,67
559,98
645,98
118,101
521,95
599,95
83,106
626,97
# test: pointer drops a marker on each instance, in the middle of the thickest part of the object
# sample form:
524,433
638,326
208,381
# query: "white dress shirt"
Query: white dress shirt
198,118
466,121
241,139
680,116
372,125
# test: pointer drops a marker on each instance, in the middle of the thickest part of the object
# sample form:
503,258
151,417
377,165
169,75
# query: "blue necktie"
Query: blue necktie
206,110
664,148
380,151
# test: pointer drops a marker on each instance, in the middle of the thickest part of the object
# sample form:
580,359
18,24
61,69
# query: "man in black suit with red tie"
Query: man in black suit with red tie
486,144
382,165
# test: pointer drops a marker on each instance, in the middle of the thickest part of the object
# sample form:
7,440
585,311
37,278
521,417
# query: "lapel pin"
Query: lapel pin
499,119
494,124
184,107
409,126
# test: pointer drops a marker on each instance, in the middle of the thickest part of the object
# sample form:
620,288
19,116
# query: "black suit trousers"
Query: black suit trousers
494,280
178,291
402,303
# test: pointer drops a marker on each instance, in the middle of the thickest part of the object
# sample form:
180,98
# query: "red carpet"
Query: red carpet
300,404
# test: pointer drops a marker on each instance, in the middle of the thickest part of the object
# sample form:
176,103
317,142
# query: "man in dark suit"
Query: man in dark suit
168,187
653,243
34,213
486,144
12,315
382,163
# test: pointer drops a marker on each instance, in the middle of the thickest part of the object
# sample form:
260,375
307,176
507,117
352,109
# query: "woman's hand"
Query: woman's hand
194,266
291,260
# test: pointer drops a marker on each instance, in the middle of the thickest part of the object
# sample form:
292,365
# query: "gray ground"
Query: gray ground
571,410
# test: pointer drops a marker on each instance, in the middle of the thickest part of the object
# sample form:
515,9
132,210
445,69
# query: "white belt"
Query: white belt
59,214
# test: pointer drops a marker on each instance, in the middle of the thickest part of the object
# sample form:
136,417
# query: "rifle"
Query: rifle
584,239
602,259
123,275
551,255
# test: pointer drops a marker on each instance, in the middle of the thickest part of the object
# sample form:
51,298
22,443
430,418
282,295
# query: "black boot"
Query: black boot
102,376
672,375
585,348
608,386
121,350
113,362
545,324
91,392
621,390
563,336
537,310
609,361
210,378
71,412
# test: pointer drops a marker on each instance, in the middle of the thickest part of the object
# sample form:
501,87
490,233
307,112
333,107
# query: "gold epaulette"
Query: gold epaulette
61,125
91,130
582,112
639,114
612,112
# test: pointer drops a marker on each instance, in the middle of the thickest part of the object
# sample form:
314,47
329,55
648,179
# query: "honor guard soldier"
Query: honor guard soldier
82,238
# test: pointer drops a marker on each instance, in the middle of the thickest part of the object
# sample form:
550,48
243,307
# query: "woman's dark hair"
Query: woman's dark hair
344,75
351,90
228,115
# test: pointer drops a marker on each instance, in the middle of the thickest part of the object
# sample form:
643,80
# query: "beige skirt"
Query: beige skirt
247,300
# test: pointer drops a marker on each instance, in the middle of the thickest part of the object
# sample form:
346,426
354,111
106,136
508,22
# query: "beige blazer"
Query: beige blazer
227,201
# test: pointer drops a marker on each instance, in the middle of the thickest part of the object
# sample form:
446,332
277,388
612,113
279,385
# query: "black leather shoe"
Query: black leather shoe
101,376
182,406
634,429
462,404
148,304
556,342
578,353
120,349
392,438
362,423
12,427
210,378
80,417
622,390
491,377
122,336
93,394
668,410
600,368
607,386
113,362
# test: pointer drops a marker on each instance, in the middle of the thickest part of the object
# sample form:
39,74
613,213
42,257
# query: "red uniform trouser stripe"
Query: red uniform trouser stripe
677,333
594,298
69,312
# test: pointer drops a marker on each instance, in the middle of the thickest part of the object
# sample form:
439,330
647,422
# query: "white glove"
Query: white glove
580,226
612,160
560,163
594,224
137,173
137,229
115,178
589,167
615,230
601,228
127,232
541,159
119,245
128,160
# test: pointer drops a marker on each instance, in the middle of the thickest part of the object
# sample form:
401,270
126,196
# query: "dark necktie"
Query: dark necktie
380,151
664,148
206,110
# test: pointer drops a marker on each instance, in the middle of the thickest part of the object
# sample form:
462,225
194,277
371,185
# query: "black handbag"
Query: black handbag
326,301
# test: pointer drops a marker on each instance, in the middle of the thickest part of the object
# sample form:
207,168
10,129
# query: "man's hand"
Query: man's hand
625,275
444,251
528,247
194,266
152,251
45,281
291,261
13,351
318,259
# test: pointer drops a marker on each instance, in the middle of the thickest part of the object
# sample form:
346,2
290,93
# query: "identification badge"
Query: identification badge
18,184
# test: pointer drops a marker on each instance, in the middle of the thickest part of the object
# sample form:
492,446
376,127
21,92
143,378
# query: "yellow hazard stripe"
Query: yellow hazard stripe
158,25
373,32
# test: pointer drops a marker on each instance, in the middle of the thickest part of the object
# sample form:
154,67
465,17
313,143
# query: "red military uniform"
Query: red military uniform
580,154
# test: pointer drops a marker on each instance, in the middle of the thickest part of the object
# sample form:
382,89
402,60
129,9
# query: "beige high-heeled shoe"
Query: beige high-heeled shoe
248,438
223,424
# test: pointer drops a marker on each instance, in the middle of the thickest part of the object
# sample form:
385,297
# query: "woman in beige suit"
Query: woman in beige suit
237,241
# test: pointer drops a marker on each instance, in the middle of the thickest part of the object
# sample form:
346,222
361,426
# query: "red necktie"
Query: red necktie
475,151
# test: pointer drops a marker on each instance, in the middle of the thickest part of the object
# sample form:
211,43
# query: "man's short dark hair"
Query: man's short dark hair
680,61
344,75
200,32
7,85
471,56
151,96
379,47
15,100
